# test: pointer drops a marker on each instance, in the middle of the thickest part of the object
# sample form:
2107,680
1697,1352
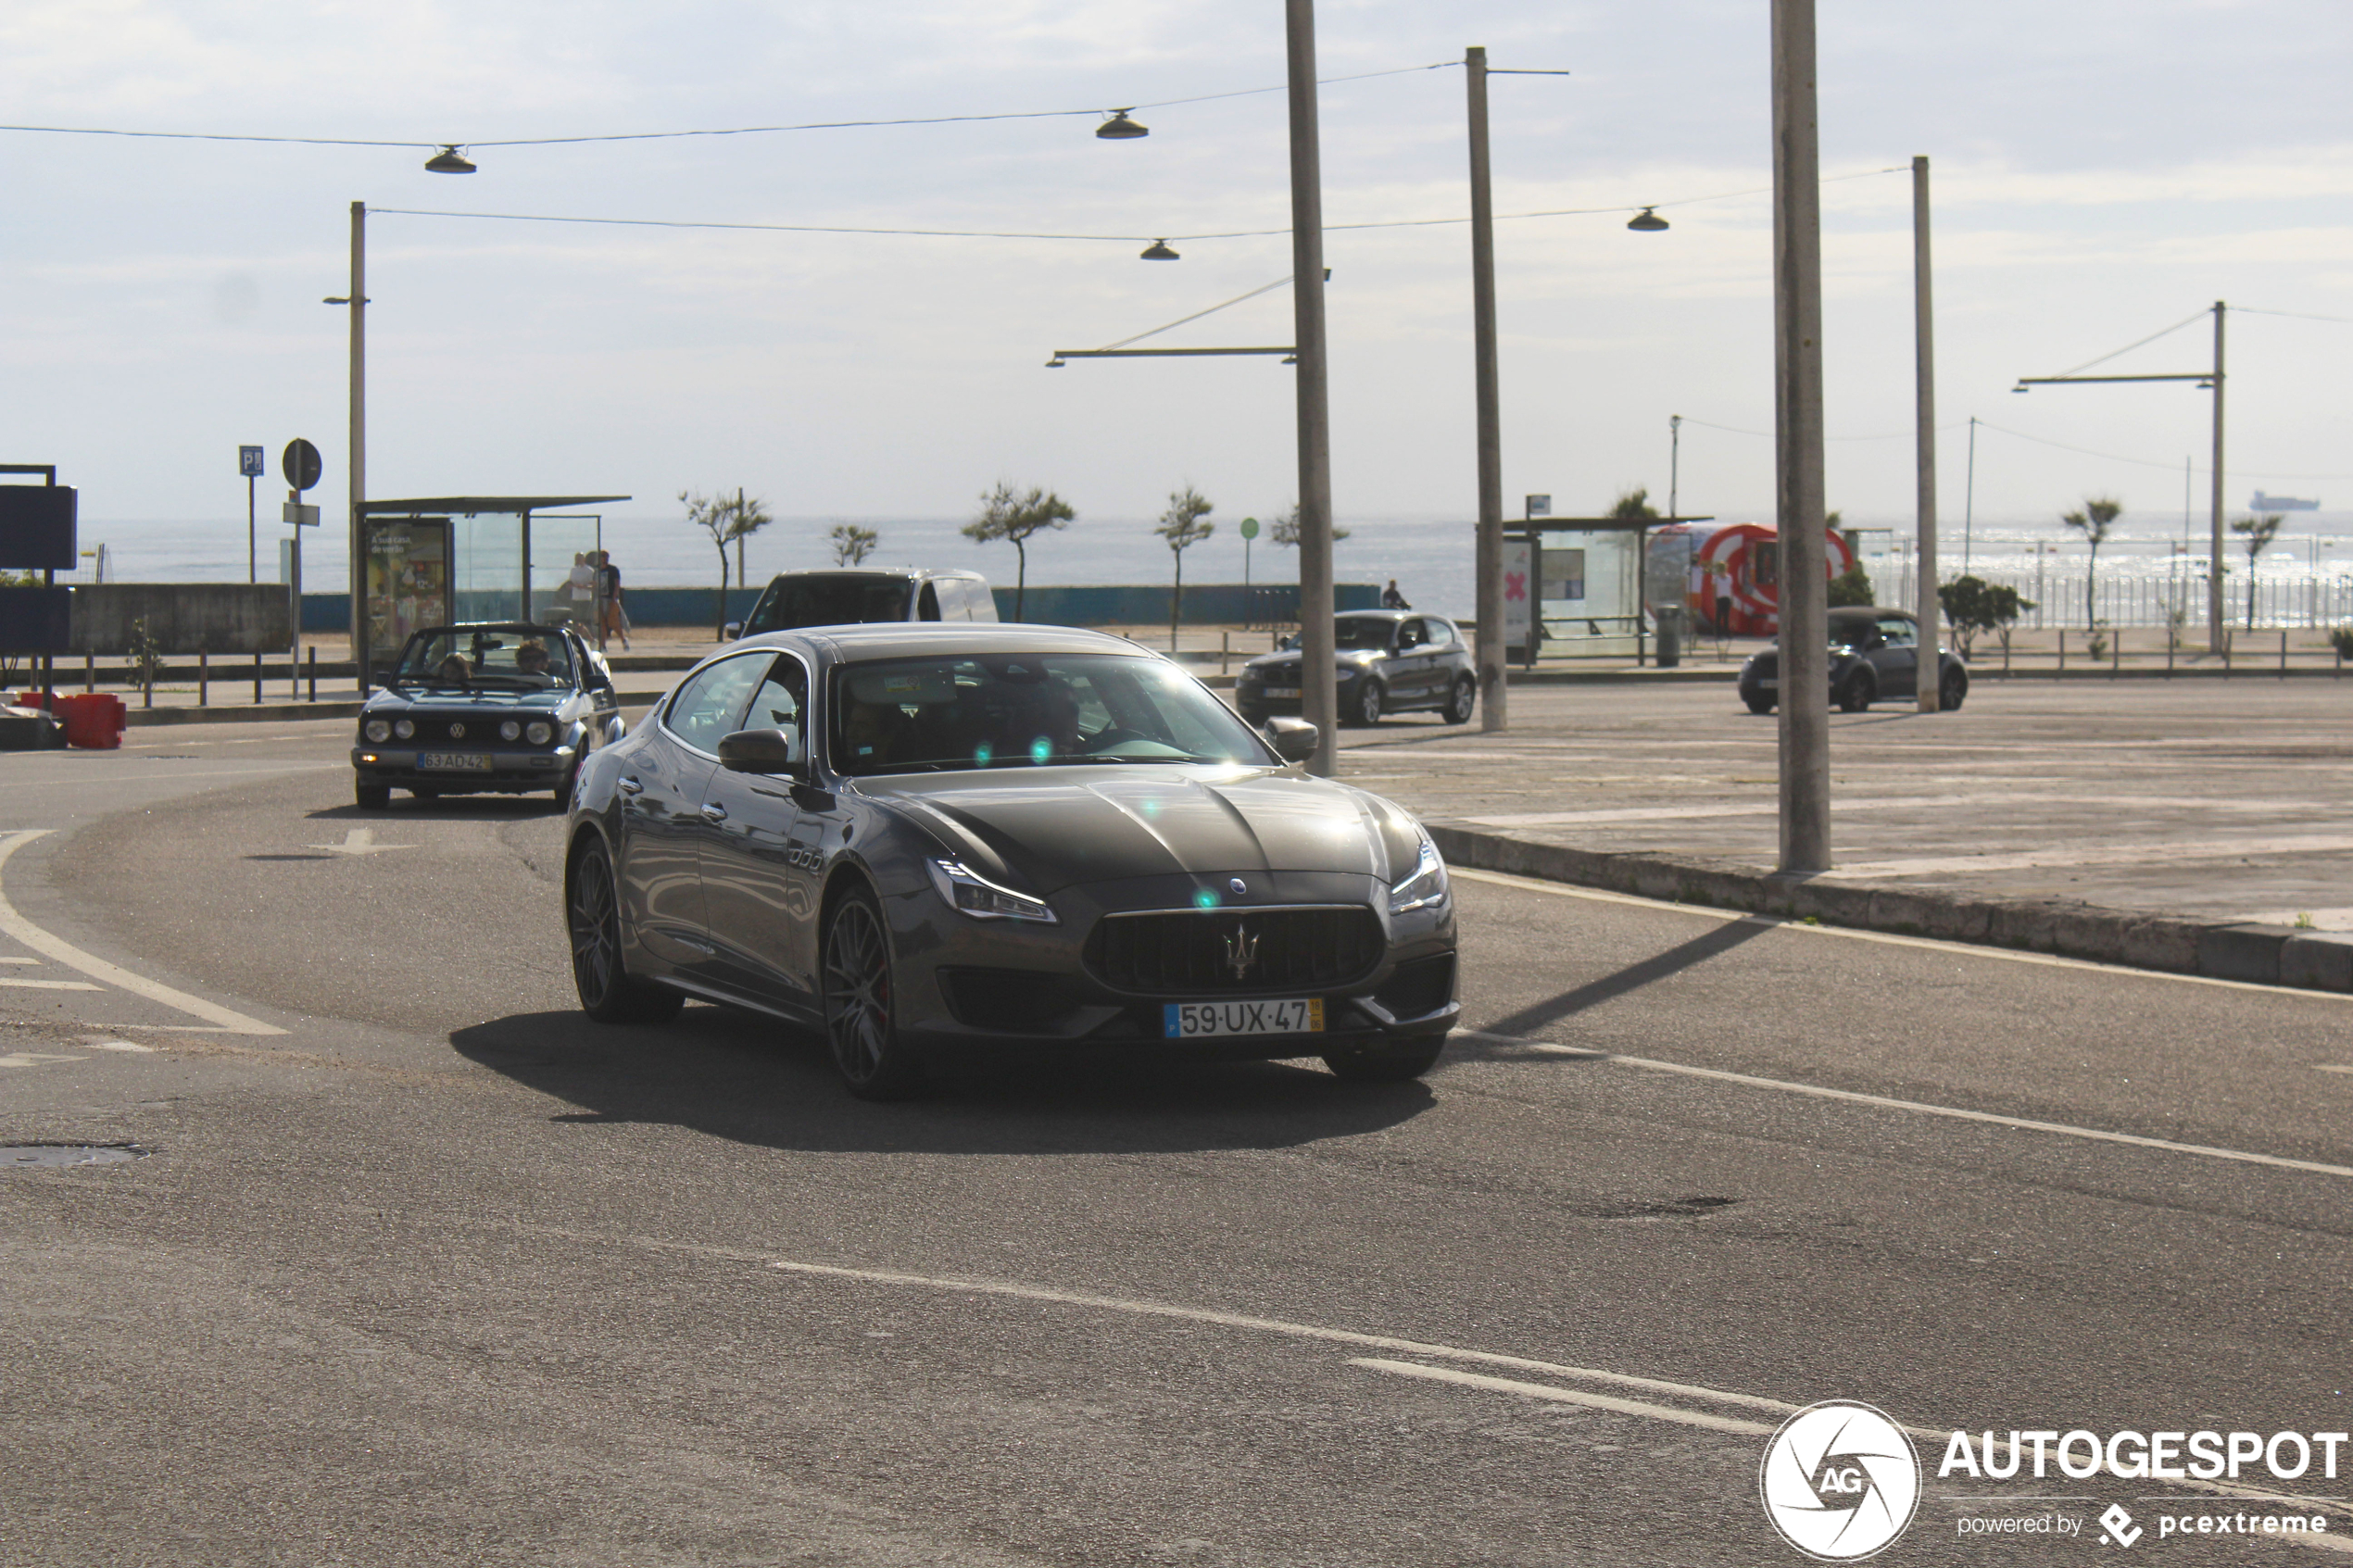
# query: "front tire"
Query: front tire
1390,1062
373,797
861,1021
608,993
1759,705
1464,702
1855,696
1370,703
1952,691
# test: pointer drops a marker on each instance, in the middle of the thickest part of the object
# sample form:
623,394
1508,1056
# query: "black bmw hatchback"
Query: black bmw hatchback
505,707
1390,660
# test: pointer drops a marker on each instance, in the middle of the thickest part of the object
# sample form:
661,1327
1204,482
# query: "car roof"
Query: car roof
529,626
914,639
1869,612
908,572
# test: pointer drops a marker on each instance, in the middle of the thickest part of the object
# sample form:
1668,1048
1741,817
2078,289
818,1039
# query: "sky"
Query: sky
2102,170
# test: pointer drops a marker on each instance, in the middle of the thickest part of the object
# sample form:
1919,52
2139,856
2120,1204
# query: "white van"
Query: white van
794,599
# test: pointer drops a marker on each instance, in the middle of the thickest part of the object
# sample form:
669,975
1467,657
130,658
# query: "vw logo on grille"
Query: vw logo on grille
1241,950
456,732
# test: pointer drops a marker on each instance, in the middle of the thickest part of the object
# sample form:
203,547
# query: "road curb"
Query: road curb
2264,954
267,712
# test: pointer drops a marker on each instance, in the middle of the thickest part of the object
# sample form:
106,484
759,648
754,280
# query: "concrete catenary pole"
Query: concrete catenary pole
1931,665
1797,423
1493,704
357,305
2217,632
1318,690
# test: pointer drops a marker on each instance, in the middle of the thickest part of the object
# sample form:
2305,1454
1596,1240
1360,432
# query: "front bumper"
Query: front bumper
1252,700
979,988
510,770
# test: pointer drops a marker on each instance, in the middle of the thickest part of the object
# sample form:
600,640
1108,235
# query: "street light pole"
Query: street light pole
1674,463
1493,702
358,461
1319,696
2215,633
1928,660
1797,376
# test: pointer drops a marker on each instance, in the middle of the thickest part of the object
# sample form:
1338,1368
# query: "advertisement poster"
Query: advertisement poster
408,583
1518,569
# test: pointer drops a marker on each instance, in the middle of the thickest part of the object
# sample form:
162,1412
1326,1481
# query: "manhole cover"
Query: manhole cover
17,1155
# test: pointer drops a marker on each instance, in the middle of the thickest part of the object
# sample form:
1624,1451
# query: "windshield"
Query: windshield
830,598
507,658
1363,632
1025,711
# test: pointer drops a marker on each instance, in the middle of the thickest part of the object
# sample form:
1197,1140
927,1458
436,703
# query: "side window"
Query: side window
1409,635
1897,631
1441,634
782,700
927,603
709,704
979,603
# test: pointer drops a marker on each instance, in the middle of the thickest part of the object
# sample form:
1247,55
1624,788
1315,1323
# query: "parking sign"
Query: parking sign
250,462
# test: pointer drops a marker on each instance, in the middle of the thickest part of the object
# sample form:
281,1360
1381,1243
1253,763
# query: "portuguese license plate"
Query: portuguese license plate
1195,1021
1282,691
455,761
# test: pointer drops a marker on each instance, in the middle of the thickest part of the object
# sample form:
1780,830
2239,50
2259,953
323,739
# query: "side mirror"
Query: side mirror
763,751
1295,740
1287,641
732,630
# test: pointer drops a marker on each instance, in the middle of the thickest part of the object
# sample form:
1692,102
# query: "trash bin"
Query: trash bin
93,721
1670,638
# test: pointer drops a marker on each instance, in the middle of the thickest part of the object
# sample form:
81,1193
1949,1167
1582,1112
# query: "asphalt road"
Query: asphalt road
420,1266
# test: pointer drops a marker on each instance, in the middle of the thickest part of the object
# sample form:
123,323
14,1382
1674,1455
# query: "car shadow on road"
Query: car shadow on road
458,808
733,1075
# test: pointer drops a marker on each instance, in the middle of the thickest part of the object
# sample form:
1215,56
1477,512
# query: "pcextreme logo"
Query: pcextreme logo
1839,1481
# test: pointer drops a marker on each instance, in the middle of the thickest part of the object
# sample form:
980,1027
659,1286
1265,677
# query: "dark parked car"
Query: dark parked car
506,707
1874,653
937,843
1390,661
843,598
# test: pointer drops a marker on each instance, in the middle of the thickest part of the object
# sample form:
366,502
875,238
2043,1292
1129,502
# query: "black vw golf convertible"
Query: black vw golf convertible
934,842
503,706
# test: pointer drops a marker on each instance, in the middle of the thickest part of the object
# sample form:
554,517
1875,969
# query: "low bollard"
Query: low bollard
314,672
204,678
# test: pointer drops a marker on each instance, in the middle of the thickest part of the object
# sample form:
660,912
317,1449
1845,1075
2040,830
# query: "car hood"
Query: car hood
1101,825
1290,659
485,699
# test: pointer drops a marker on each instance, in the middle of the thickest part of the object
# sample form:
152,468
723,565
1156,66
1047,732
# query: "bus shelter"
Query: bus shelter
439,560
1581,586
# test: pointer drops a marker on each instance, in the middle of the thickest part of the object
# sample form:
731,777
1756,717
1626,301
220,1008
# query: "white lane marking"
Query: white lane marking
19,961
1564,1396
166,775
61,951
120,1045
35,1059
1815,1091
359,840
1848,933
46,984
2332,1067
1278,1326
2101,854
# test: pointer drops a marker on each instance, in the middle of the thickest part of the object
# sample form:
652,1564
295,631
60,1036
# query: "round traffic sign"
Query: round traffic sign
1249,528
301,464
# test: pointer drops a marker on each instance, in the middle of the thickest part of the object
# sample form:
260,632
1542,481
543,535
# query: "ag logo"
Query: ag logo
1839,1481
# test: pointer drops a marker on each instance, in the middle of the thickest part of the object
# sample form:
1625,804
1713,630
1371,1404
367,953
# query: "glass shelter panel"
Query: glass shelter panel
1589,591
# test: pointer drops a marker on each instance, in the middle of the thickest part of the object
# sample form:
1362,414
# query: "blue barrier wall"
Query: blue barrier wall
1212,604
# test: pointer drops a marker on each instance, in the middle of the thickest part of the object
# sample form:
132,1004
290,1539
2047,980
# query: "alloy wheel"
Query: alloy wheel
858,1011
596,928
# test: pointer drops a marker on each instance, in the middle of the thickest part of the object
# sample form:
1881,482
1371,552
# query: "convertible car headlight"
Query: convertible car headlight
379,731
1426,889
978,896
538,732
404,728
511,731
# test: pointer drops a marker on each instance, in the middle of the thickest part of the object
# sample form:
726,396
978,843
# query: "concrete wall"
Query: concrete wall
183,617
1211,604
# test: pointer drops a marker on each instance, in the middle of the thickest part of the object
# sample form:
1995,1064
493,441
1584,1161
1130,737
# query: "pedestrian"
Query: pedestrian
1391,599
612,619
580,586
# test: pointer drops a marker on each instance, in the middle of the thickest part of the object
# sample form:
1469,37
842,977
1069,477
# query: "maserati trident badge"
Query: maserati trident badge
1242,951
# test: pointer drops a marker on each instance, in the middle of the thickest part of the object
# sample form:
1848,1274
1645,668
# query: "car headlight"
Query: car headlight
511,731
378,730
978,896
1426,889
404,728
538,732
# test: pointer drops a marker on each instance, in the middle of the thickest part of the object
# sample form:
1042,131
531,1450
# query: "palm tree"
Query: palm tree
1014,518
852,544
727,518
2258,533
2093,520
1182,526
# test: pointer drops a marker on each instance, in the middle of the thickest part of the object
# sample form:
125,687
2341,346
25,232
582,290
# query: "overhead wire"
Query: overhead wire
2141,344
1263,288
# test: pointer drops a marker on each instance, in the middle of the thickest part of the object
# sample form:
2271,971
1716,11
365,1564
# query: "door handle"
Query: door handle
628,785
714,811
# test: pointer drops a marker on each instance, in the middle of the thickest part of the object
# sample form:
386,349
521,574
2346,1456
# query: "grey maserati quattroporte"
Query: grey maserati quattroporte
931,843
